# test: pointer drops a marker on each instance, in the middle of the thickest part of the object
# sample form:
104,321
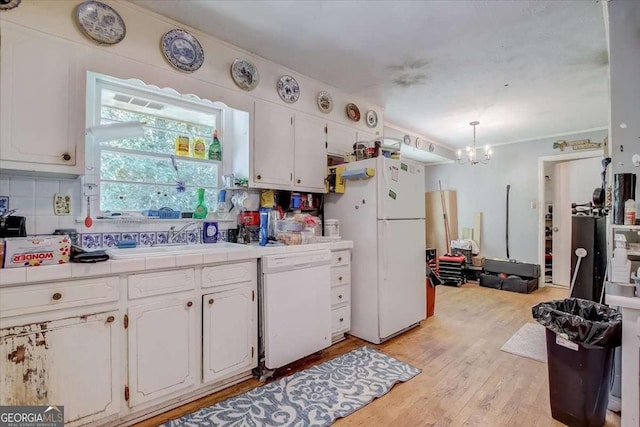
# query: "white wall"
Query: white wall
624,63
482,188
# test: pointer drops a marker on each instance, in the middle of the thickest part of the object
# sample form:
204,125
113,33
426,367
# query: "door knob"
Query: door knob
57,296
555,229
258,177
189,304
66,157
211,301
299,181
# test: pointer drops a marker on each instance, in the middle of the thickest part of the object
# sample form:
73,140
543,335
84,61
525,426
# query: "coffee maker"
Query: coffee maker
12,226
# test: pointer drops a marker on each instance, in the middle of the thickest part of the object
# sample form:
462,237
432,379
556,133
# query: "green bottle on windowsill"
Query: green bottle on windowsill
215,149
200,212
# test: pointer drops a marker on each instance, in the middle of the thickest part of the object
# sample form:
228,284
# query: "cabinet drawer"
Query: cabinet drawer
340,294
37,298
340,258
340,320
340,275
161,282
227,274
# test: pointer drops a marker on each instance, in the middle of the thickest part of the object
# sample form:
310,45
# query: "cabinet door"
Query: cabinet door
162,348
310,153
340,139
365,136
230,333
273,144
73,362
42,113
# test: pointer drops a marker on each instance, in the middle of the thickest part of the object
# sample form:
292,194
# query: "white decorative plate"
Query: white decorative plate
407,139
288,89
245,74
182,50
325,101
371,118
418,143
100,22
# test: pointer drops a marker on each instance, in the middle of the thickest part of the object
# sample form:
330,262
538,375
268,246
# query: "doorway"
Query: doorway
562,180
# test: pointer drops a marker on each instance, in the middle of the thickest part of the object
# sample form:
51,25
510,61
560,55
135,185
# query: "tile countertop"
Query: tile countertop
25,275
625,302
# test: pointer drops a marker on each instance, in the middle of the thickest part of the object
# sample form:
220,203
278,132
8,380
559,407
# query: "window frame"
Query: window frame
95,84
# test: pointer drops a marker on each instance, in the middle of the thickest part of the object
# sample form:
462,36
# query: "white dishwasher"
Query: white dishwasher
295,307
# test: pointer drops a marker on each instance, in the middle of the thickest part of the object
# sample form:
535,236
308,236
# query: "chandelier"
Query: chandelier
471,153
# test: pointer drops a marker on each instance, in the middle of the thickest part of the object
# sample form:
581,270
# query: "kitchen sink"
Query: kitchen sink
170,249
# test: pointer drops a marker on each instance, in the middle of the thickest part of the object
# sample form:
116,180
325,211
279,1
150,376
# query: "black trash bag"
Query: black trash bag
586,322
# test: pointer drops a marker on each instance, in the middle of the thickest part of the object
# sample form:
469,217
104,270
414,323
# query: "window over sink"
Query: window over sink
146,172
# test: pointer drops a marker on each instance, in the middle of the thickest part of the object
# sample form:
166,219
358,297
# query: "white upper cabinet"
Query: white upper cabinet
42,102
365,136
310,153
340,139
273,145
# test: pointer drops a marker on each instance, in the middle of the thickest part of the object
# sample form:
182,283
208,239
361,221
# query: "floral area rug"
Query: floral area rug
314,397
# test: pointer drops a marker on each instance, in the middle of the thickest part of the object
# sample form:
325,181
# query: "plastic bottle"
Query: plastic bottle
201,211
182,146
199,149
215,149
629,212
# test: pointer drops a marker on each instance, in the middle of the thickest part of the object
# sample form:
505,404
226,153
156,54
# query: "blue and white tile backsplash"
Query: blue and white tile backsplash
142,238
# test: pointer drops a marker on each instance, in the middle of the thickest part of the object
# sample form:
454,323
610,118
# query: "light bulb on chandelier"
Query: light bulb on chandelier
471,153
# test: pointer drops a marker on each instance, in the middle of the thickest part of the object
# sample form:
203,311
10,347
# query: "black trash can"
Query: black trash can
581,339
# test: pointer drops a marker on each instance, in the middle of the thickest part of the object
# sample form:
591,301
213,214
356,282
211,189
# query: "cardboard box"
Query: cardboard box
477,261
37,250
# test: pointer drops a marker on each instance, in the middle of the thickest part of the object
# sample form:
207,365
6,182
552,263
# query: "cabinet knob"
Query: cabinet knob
339,296
258,176
341,320
299,181
340,278
189,304
110,319
66,157
339,259
57,296
211,301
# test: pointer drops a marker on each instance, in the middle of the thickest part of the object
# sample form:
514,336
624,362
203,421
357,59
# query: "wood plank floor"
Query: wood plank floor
466,380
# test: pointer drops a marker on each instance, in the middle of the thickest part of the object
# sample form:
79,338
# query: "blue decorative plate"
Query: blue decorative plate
9,4
100,22
288,89
182,50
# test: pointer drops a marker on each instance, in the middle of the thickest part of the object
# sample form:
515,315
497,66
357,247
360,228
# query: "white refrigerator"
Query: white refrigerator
384,216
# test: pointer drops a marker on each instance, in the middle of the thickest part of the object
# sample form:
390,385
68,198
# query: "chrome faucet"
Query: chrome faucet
173,233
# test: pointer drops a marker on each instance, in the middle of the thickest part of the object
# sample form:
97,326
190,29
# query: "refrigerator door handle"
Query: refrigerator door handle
384,239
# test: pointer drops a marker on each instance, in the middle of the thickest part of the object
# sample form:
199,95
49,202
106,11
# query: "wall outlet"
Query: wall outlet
534,204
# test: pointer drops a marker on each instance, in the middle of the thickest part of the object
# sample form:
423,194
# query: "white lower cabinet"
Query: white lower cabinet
163,347
73,362
229,332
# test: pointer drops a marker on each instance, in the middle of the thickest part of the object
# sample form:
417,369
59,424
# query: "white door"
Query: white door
163,348
400,189
229,333
310,153
401,266
297,314
41,99
573,182
340,139
273,144
72,362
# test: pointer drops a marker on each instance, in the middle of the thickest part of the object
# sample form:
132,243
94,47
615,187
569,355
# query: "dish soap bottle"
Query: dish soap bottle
182,146
200,212
199,149
215,149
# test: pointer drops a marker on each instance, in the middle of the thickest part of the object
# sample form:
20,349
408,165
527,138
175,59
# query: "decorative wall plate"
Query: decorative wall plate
245,74
100,22
432,147
407,139
353,112
182,50
419,143
9,4
371,118
325,101
288,89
